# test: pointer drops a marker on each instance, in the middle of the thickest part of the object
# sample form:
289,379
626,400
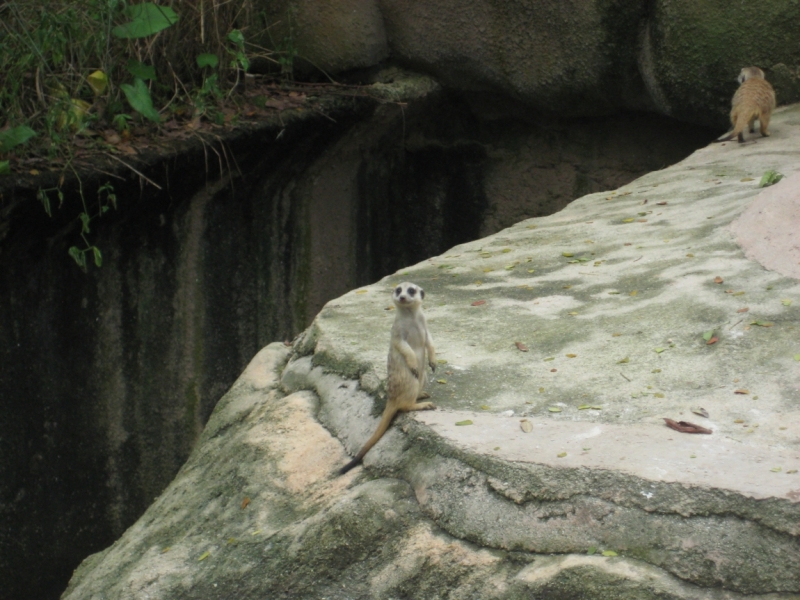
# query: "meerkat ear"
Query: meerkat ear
421,294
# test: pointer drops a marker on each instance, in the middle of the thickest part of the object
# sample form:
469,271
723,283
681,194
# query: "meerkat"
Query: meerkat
410,343
754,99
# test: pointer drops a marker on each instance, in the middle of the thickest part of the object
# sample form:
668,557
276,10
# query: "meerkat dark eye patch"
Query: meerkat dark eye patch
411,291
398,290
422,294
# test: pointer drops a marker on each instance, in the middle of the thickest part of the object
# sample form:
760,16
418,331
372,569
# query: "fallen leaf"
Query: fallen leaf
526,425
623,361
746,179
700,411
442,381
245,502
659,350
713,340
521,347
660,204
770,178
567,254
685,426
786,302
479,303
609,553
553,370
741,391
561,454
797,356
571,355
743,310
553,409
708,335
461,423
776,469
204,555
658,395
718,279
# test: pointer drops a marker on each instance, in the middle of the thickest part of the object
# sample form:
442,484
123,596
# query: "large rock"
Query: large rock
612,297
676,57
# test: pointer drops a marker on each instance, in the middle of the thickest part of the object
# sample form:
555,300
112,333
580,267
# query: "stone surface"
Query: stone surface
612,297
537,58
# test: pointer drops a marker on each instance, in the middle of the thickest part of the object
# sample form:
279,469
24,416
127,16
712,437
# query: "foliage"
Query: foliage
75,67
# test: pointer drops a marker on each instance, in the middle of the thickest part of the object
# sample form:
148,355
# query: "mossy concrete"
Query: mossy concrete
598,500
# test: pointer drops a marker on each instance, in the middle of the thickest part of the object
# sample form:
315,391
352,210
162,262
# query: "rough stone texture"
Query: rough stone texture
487,510
107,378
576,58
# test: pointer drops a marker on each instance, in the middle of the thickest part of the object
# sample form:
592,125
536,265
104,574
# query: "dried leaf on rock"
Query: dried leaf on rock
462,423
521,347
526,425
685,426
700,411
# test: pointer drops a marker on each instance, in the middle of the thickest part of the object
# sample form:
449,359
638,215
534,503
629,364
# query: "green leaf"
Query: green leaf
770,178
139,98
5,167
207,60
609,553
141,70
659,350
145,20
10,138
243,61
553,409
78,257
84,222
461,423
98,81
708,335
236,37
624,361
591,550
98,257
204,555
797,357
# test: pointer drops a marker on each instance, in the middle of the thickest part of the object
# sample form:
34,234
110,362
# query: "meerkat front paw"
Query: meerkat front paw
415,373
432,365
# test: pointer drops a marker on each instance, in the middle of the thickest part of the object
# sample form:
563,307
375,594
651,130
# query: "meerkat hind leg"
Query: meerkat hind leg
423,406
764,122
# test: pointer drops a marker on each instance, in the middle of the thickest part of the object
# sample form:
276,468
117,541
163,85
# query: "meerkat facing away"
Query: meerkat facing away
754,99
410,342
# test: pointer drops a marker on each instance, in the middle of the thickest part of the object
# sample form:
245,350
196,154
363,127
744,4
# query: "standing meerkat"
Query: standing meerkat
754,99
410,342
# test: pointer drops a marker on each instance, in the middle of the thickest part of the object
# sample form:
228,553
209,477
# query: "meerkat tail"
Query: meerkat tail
386,420
742,122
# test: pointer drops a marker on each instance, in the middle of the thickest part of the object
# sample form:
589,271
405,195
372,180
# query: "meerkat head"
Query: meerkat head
407,294
750,73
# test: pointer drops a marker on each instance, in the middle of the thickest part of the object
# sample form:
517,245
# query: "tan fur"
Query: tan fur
754,99
410,342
